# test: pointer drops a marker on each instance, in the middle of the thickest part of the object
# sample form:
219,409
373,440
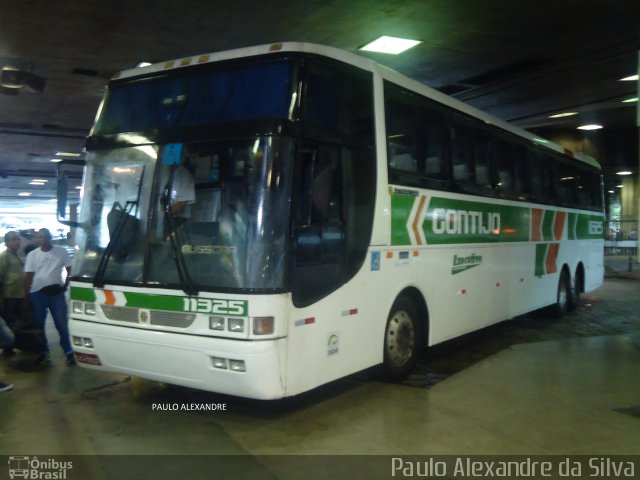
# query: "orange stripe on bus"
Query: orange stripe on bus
552,256
536,224
558,226
110,298
415,225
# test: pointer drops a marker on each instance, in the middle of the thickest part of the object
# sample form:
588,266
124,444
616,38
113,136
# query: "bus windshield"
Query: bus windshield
234,93
211,208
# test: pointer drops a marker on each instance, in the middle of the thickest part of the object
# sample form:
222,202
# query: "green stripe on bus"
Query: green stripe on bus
541,255
449,221
156,302
572,224
401,206
547,225
590,227
83,294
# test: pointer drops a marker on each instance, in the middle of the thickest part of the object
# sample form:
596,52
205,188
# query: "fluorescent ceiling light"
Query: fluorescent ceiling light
632,78
565,114
40,180
540,140
56,160
67,154
392,45
33,182
143,64
590,127
624,172
610,191
630,100
619,186
24,194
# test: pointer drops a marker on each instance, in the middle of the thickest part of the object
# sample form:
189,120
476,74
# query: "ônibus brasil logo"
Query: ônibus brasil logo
460,264
34,468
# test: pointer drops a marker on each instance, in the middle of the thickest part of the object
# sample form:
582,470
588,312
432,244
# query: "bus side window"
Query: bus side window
521,171
505,166
482,160
594,183
339,99
582,187
461,153
565,177
541,178
402,151
433,143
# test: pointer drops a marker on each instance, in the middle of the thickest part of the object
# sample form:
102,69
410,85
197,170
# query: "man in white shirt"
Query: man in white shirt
43,268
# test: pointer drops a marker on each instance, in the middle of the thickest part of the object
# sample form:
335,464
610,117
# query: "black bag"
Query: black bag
52,290
30,340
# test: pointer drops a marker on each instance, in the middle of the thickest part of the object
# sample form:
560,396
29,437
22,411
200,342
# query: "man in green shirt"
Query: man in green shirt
12,295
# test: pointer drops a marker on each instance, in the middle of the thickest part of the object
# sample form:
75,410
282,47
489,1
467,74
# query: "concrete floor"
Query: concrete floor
573,394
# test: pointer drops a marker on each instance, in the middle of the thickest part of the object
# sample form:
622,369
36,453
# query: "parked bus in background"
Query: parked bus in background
342,216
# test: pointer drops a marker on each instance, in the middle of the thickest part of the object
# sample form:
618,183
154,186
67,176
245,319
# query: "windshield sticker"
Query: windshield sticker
375,261
172,154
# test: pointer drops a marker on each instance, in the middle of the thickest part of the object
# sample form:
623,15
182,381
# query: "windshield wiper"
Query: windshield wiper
127,216
176,243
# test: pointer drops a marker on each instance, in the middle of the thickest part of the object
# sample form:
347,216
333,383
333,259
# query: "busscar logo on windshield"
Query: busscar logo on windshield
38,469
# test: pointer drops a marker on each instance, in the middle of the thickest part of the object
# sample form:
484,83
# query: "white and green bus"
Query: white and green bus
343,216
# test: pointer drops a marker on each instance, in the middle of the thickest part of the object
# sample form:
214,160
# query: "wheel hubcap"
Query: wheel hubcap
401,337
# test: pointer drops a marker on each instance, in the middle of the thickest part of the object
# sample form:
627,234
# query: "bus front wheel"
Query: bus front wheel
401,340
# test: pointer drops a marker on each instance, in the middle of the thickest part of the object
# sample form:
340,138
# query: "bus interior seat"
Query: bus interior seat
404,161
126,241
433,166
461,171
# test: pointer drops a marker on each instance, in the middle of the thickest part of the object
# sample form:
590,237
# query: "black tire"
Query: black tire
401,340
574,293
562,297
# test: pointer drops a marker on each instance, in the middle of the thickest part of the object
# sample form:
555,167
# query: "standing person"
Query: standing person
43,268
6,339
12,295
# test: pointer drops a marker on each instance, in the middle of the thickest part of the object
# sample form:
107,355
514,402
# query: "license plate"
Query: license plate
87,358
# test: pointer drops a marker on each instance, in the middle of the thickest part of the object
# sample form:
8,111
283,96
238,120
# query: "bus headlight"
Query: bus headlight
90,308
236,324
216,323
237,366
82,342
78,307
263,325
218,362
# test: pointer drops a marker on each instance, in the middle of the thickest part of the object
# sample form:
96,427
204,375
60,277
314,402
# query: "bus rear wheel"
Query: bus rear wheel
401,340
563,295
574,293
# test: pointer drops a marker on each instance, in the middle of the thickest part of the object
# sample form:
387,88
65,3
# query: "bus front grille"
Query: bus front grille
158,317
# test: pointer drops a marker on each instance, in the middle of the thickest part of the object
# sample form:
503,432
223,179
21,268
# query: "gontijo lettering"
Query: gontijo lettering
465,222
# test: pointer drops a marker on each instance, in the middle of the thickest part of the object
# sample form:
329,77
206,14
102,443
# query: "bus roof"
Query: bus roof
360,62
